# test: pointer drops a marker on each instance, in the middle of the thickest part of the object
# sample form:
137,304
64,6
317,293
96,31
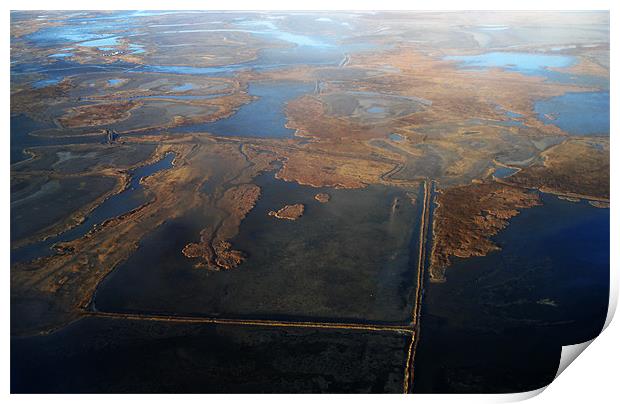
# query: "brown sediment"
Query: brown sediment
99,114
572,169
214,249
322,197
21,28
29,100
586,66
325,170
599,204
78,216
289,212
467,216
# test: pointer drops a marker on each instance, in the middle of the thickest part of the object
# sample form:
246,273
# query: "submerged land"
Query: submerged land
390,144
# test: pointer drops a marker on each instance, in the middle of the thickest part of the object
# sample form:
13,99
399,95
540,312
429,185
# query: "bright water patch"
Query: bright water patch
95,43
297,39
491,27
513,115
183,87
225,70
261,118
114,82
376,110
528,63
45,83
396,137
61,55
577,113
174,97
504,172
136,49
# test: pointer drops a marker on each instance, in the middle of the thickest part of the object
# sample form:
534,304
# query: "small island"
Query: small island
289,212
322,197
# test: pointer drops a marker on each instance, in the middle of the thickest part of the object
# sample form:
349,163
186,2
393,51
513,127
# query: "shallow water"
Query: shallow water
577,113
521,62
264,117
376,110
497,324
352,258
116,205
531,64
503,172
22,126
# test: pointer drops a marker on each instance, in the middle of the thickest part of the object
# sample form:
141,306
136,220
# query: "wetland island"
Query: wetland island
305,202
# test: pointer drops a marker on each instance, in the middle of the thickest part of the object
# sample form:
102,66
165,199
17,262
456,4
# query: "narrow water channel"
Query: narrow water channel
116,205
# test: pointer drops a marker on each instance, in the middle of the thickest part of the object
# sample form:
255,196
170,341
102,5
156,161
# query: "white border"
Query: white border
593,377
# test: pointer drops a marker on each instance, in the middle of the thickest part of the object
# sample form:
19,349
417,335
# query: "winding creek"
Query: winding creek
125,201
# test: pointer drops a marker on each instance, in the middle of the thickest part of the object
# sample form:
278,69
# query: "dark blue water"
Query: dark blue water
577,113
498,323
261,118
116,205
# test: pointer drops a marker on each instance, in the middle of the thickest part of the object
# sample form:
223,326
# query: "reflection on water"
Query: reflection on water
498,323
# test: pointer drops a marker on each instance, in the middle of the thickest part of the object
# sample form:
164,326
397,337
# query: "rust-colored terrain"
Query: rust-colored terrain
467,216
289,212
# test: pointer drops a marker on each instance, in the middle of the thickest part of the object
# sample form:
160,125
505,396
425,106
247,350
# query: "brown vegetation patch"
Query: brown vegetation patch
214,249
322,197
100,114
466,218
289,212
573,168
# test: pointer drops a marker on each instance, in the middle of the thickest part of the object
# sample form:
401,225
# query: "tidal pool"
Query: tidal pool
577,113
264,117
353,258
123,202
498,323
